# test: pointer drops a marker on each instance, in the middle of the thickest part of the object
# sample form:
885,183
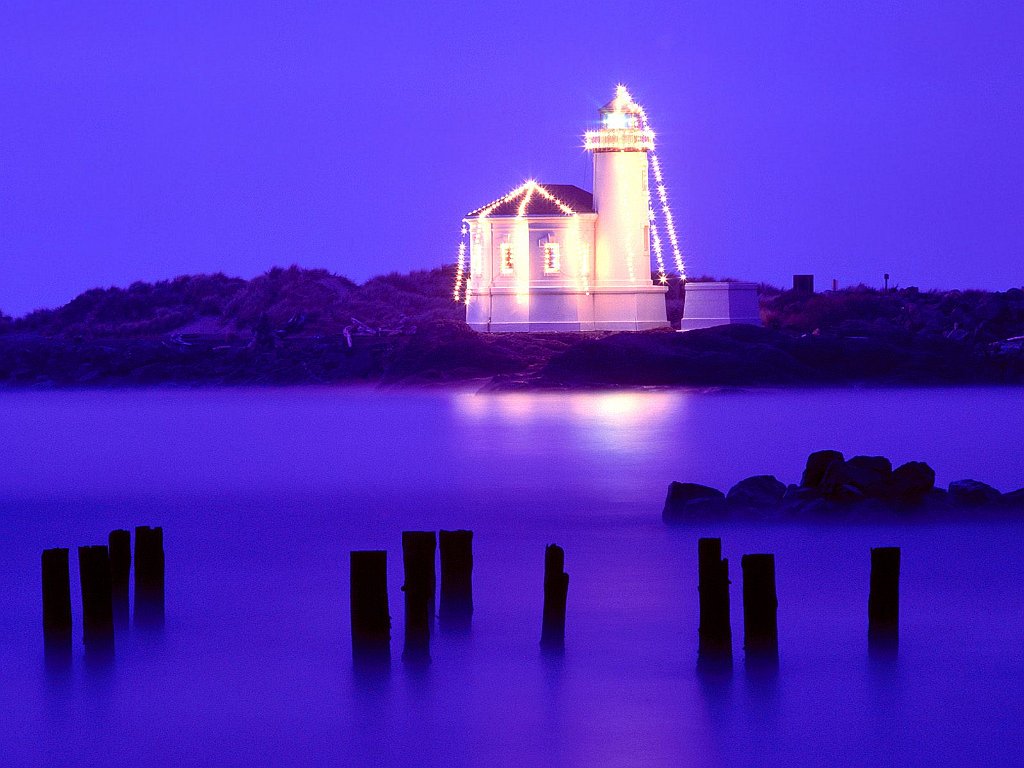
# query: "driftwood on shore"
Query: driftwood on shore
832,485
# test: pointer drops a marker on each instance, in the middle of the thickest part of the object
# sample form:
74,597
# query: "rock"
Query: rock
817,463
936,500
759,491
912,480
798,500
971,493
877,464
690,500
864,476
1013,499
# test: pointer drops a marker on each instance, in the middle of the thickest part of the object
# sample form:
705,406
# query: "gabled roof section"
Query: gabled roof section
540,200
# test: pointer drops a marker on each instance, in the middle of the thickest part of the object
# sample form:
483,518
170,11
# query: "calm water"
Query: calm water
262,494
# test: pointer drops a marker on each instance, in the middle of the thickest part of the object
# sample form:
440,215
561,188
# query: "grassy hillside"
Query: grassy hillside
292,326
306,301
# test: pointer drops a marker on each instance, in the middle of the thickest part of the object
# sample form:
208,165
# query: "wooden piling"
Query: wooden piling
119,544
56,602
556,589
456,575
149,577
884,598
715,630
97,608
419,549
760,607
368,605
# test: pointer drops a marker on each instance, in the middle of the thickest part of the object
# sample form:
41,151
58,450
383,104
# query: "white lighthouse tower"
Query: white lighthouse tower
556,258
623,204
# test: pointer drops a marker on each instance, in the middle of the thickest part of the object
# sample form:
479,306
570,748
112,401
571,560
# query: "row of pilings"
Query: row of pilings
761,604
368,593
104,572
371,622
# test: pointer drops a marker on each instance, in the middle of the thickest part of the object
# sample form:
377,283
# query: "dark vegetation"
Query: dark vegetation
295,325
833,487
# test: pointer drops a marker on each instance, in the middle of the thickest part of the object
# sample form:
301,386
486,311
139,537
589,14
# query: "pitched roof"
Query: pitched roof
574,198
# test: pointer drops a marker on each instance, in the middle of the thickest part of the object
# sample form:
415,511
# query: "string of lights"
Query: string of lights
656,241
670,224
460,266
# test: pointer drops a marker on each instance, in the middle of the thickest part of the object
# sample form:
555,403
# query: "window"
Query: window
552,258
508,259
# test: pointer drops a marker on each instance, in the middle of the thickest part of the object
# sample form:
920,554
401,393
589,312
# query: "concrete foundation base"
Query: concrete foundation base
552,310
709,304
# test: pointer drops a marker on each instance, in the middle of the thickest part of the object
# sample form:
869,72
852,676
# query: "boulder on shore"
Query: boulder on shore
972,493
833,487
858,478
691,500
759,491
817,463
1013,499
912,481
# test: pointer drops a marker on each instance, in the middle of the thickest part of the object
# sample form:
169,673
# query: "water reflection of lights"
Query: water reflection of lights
619,421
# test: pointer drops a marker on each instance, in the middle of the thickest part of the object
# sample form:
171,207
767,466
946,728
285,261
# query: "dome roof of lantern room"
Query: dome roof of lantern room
622,102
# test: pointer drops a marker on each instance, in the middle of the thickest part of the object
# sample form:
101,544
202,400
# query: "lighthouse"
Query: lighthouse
555,257
621,191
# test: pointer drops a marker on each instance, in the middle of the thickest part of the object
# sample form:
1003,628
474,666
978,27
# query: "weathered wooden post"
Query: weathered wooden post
760,608
456,576
120,545
556,589
56,605
368,606
884,599
149,577
97,609
715,630
419,549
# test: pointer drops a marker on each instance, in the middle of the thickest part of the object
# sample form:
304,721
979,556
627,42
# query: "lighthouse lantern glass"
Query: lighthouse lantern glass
618,120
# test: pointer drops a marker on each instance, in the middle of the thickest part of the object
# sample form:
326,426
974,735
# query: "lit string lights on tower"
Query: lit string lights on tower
641,136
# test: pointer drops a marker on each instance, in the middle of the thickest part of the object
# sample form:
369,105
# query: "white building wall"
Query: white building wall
623,255
581,297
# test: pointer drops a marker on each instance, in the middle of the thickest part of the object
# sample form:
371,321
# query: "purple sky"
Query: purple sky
147,140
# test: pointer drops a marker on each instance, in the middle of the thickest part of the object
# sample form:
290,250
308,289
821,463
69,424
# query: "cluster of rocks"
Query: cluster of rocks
832,484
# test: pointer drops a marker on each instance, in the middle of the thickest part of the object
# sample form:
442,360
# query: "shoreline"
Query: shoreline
449,354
